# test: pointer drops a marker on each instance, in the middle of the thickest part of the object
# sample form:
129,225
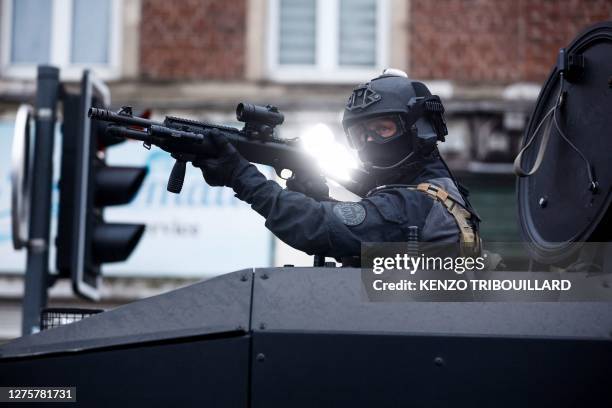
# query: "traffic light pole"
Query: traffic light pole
37,269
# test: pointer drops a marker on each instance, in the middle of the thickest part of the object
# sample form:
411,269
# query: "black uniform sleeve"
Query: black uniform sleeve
334,229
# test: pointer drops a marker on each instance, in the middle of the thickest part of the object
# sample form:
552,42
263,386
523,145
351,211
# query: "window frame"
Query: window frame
61,44
326,69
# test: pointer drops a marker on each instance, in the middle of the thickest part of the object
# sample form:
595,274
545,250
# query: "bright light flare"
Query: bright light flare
332,157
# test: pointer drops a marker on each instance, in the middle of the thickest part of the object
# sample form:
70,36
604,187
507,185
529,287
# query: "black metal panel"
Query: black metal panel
360,370
332,299
316,341
217,305
196,373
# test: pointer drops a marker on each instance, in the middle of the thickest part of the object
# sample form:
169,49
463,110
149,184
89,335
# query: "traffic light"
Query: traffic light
87,185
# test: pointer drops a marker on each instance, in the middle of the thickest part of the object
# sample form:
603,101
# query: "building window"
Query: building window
70,34
327,40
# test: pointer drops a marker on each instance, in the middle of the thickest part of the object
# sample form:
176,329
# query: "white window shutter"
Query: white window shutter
358,31
297,32
31,32
90,31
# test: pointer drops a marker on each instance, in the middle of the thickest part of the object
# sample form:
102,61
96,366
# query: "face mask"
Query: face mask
386,154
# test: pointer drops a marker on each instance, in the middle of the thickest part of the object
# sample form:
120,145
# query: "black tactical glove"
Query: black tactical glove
312,185
223,163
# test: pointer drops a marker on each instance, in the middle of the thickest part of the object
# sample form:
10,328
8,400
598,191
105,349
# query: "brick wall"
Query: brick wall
192,39
495,41
470,41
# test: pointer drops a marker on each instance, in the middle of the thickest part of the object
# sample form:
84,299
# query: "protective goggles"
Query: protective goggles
379,130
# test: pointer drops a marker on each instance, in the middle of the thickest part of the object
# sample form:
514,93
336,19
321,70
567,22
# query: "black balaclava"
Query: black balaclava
386,154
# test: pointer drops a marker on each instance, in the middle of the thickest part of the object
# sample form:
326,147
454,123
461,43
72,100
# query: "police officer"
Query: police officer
394,124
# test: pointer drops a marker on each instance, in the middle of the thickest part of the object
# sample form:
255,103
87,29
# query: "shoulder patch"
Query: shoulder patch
350,213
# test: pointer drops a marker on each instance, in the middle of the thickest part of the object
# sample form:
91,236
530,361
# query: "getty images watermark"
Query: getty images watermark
398,272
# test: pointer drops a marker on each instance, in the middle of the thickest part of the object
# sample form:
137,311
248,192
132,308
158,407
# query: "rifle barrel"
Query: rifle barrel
110,116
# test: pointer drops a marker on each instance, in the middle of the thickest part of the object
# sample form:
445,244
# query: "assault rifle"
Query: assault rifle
187,139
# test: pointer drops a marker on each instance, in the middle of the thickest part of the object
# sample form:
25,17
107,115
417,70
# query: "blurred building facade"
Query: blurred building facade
199,58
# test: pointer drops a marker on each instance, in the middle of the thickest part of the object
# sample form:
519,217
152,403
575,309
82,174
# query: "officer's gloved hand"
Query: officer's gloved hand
311,185
223,163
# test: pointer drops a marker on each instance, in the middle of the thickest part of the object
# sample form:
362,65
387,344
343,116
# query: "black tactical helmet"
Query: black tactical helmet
393,93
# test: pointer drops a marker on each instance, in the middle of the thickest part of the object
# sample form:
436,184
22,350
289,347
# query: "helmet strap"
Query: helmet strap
395,165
